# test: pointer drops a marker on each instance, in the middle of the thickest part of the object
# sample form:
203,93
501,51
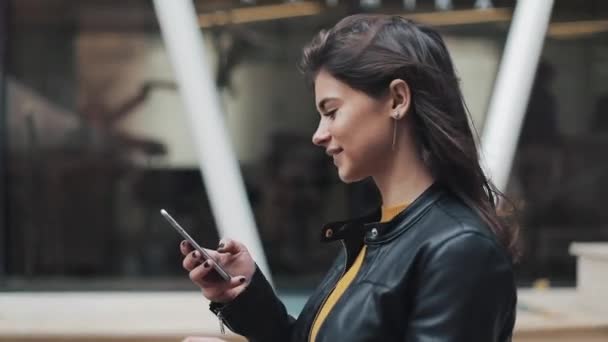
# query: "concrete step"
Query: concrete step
592,274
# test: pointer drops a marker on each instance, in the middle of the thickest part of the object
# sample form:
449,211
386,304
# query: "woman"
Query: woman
434,262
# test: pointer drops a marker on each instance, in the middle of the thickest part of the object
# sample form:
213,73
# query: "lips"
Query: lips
333,151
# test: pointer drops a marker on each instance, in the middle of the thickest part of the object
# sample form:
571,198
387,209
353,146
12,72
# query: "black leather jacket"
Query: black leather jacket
433,273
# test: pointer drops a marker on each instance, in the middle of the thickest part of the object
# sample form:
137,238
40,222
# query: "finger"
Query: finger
191,261
214,279
185,247
216,257
212,253
233,292
198,273
225,291
229,246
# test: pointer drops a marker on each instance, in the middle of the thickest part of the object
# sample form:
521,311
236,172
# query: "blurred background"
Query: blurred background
95,140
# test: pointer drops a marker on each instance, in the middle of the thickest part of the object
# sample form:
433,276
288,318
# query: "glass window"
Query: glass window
559,178
98,140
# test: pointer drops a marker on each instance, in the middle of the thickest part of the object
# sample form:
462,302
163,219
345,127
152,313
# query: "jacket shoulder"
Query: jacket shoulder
450,220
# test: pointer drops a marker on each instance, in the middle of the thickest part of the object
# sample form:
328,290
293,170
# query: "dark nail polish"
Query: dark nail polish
196,255
206,264
183,243
221,245
242,280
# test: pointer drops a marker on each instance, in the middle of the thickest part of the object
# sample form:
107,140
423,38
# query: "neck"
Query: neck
405,178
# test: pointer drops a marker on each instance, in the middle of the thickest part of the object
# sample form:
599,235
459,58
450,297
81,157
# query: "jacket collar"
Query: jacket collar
367,227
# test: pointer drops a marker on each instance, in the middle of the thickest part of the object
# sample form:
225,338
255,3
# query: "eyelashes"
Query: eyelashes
331,114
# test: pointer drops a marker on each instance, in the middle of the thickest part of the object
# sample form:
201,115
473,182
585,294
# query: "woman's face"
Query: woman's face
355,129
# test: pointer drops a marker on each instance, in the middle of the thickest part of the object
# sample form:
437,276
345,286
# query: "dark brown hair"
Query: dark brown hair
367,52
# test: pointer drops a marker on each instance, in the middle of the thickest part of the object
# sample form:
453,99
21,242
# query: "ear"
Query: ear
400,96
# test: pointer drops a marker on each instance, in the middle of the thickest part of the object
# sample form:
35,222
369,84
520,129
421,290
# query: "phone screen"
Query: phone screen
219,269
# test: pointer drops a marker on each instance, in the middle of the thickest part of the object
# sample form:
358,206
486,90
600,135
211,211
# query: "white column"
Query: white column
513,85
218,164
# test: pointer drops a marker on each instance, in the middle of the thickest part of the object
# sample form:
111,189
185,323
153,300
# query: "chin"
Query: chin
349,177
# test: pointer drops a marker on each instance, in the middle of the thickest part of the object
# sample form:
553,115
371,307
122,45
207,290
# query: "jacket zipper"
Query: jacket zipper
330,292
221,320
223,323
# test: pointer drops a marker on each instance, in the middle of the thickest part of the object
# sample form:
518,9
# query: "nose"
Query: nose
321,135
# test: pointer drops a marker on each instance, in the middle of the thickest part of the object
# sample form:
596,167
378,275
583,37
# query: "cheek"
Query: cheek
372,148
367,145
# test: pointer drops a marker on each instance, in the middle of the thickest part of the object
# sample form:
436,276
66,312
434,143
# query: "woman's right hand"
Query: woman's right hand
233,256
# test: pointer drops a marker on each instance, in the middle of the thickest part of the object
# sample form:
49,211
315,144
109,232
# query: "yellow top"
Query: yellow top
344,282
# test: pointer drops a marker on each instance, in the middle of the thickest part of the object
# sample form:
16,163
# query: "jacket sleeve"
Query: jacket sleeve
466,292
256,313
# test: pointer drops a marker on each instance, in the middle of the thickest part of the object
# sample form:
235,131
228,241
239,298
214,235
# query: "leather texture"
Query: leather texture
434,273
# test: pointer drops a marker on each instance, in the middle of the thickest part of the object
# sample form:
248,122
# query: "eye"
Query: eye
331,114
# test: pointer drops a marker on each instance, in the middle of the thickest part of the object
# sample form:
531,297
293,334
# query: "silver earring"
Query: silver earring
395,117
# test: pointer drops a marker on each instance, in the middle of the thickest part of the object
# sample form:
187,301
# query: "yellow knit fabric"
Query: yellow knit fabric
344,282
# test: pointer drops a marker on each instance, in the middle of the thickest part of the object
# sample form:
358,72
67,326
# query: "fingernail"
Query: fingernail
206,264
220,246
183,243
242,280
196,254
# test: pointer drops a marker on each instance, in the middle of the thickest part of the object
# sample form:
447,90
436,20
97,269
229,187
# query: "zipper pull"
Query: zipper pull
222,328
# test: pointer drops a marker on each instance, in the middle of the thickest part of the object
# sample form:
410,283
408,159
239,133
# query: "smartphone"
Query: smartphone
219,269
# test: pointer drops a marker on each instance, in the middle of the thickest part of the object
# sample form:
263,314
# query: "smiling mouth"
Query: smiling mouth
334,152
335,155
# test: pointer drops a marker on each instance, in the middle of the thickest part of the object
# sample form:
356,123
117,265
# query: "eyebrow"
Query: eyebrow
323,102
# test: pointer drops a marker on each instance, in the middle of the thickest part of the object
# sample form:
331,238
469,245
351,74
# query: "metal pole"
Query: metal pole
218,163
513,85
